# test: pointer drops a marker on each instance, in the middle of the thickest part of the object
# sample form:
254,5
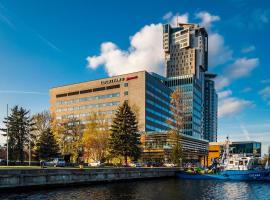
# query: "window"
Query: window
125,84
125,93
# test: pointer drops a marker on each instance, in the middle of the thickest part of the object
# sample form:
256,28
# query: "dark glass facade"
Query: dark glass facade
248,148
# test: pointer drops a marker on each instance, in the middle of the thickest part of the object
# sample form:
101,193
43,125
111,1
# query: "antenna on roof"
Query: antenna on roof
177,20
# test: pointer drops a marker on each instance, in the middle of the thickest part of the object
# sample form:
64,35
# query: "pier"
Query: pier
20,178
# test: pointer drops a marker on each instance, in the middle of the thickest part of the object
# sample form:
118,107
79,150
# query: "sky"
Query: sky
50,43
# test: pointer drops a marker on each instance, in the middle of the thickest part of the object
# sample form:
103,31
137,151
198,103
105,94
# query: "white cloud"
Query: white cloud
167,16
231,105
265,92
224,94
218,52
240,68
247,89
265,81
145,53
174,19
248,49
207,19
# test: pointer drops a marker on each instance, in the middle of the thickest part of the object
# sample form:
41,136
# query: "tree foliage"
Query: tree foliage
178,109
42,121
19,125
47,146
125,139
69,137
96,138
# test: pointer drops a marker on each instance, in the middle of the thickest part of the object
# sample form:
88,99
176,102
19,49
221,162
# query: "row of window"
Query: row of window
158,90
159,114
158,106
159,122
107,112
87,98
152,128
156,97
88,91
98,105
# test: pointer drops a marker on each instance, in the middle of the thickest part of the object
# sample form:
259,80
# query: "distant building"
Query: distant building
157,146
248,148
210,108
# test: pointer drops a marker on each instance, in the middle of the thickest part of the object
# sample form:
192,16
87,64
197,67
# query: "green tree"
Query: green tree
47,146
42,121
19,125
125,138
96,138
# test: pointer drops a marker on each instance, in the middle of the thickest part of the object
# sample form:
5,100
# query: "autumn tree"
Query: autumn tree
96,138
69,137
174,134
125,137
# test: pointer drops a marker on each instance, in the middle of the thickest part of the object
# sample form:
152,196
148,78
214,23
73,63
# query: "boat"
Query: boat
230,167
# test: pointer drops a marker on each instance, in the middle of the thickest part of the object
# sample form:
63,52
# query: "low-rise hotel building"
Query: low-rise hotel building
146,94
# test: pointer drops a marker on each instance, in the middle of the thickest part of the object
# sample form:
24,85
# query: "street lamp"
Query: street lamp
7,135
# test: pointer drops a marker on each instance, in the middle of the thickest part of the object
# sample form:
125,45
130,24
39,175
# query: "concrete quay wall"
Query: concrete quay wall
17,178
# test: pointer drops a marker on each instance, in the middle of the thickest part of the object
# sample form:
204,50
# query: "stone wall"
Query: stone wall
12,178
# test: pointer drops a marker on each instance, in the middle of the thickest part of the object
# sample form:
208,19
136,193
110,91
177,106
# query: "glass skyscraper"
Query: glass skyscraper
186,61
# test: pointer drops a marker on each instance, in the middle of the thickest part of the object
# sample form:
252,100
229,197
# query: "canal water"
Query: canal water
157,189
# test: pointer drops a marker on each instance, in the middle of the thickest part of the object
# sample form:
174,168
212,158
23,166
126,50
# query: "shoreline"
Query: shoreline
40,178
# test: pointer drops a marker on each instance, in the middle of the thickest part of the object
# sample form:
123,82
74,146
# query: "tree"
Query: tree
178,109
125,139
47,146
19,125
69,137
42,121
96,138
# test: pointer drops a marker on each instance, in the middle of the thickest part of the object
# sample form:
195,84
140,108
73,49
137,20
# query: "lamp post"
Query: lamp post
7,135
29,143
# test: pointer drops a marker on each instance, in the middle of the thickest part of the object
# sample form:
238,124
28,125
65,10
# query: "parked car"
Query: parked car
94,164
153,164
135,164
56,162
3,162
169,165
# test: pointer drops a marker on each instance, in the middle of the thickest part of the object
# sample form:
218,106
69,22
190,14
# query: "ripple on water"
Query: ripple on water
152,189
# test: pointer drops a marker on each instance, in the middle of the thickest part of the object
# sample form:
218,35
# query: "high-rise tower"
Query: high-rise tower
186,61
210,108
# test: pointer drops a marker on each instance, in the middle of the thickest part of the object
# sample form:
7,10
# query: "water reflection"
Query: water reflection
153,189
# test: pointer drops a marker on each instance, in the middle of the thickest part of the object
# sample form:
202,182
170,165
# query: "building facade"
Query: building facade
248,148
210,108
147,95
186,59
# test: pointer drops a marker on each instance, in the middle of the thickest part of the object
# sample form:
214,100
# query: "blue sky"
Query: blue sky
49,43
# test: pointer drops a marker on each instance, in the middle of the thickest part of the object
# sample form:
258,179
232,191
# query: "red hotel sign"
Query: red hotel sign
130,78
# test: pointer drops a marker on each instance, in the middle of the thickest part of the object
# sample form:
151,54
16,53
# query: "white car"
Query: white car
169,165
94,164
